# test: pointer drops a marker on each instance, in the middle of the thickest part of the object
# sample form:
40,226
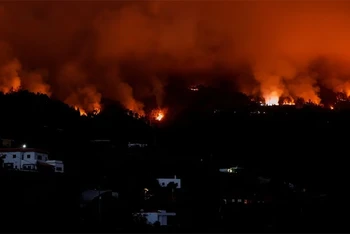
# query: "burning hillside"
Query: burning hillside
130,51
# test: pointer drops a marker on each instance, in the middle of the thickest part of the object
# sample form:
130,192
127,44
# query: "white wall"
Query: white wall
165,181
30,157
162,217
22,158
12,157
151,217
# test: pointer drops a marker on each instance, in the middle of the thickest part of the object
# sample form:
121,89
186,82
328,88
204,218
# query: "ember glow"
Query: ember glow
194,88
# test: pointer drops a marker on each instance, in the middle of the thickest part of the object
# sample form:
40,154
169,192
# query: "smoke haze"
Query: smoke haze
80,52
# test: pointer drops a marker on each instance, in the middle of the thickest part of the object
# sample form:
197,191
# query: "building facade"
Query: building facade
28,159
164,182
160,216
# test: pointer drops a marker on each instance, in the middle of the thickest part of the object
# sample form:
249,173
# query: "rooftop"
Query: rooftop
54,161
24,150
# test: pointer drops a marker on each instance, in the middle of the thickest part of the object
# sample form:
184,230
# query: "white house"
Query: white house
28,159
163,182
160,216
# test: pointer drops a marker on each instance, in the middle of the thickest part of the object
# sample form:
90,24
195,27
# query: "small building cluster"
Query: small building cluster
163,217
28,159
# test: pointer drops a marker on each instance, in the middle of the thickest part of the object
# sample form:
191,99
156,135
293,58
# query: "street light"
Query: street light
24,146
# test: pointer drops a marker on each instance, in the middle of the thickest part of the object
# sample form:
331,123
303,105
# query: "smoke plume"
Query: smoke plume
81,52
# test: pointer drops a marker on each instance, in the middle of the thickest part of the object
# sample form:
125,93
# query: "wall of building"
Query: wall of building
152,217
59,166
23,159
165,181
12,157
162,217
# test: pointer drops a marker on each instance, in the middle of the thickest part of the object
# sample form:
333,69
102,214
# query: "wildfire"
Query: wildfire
288,102
194,88
82,112
272,100
96,111
158,114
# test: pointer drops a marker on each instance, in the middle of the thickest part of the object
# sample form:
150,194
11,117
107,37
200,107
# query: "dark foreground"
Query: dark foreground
33,202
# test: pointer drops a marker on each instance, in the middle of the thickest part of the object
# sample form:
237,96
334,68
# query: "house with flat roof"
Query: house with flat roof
28,159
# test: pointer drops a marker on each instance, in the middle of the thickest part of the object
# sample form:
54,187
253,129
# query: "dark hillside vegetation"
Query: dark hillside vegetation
305,146
38,121
280,139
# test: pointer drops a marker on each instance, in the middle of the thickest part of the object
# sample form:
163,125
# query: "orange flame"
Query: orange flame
81,111
288,102
158,114
96,111
272,99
